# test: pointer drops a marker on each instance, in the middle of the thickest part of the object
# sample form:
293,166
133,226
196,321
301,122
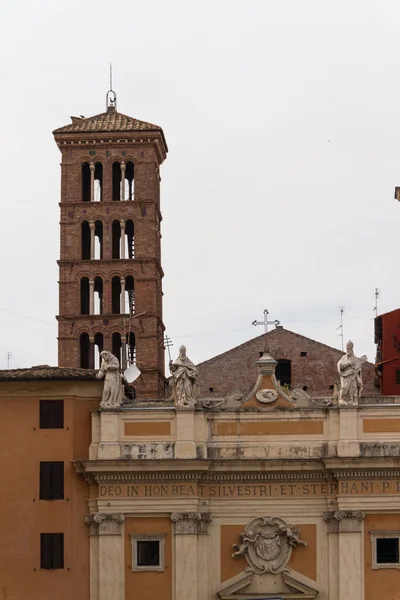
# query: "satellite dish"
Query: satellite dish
131,373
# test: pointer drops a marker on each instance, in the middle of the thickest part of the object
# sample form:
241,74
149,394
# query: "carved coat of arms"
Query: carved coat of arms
267,544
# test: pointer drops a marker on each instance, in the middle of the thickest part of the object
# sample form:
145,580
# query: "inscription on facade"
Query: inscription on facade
226,490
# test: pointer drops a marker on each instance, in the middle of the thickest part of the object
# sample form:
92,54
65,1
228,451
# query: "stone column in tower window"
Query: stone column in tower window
122,306
92,232
91,353
91,182
123,167
91,296
122,240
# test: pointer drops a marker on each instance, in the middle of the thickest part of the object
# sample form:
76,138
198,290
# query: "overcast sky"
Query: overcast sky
282,120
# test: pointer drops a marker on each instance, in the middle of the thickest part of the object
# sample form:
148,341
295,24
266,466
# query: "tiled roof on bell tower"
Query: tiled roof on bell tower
107,121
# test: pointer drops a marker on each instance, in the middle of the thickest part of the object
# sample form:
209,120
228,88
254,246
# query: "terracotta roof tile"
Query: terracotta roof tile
45,372
108,121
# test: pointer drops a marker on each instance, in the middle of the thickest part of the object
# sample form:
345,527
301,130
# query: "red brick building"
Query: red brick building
302,363
387,338
110,281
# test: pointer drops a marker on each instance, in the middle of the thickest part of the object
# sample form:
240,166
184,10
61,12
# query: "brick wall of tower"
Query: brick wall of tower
145,267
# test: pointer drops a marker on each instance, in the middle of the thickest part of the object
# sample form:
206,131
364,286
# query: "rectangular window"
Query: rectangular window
51,414
51,481
387,550
148,552
398,376
51,550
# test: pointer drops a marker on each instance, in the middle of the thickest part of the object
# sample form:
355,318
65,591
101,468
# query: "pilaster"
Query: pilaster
106,556
348,524
187,528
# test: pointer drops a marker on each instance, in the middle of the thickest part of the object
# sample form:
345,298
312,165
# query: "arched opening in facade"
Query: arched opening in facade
98,296
129,186
98,182
85,240
98,240
283,372
116,295
85,182
116,181
85,296
84,350
129,295
116,238
116,345
98,349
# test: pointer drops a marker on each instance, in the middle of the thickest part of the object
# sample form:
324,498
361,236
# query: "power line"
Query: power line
32,95
12,312
285,217
282,321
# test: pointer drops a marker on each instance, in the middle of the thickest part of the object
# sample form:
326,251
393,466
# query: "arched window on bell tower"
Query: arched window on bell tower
116,239
85,296
116,295
130,348
116,345
98,240
129,295
98,349
86,179
129,239
98,182
116,181
129,181
98,296
85,240
84,349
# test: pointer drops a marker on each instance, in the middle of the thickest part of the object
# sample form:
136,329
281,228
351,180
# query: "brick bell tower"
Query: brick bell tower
110,259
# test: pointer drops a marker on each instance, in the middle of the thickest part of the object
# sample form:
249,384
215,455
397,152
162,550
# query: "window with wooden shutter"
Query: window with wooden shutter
51,481
51,550
51,414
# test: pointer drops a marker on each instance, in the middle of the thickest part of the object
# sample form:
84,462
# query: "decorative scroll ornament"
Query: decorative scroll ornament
266,396
267,543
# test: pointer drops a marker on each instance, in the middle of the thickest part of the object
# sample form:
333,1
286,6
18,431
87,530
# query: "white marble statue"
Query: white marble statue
109,370
184,374
349,368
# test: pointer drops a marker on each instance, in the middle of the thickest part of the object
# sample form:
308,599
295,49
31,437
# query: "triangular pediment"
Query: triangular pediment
293,586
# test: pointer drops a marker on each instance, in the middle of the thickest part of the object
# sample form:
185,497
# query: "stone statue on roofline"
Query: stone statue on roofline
349,368
109,371
184,375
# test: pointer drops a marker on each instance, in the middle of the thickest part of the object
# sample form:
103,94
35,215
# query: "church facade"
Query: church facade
268,494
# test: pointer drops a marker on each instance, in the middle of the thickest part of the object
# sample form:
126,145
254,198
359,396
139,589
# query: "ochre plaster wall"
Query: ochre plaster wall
380,584
303,558
151,585
23,517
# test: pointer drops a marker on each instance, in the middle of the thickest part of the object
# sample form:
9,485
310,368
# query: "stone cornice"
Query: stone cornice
99,139
135,472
